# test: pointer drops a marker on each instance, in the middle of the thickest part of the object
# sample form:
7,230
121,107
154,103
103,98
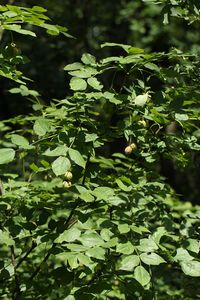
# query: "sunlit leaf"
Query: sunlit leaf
141,275
61,165
6,155
78,84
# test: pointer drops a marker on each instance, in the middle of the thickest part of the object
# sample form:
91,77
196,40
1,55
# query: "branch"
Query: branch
35,273
16,292
34,245
44,260
67,223
86,167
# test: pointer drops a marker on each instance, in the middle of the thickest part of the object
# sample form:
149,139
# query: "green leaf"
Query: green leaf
112,98
73,261
71,258
123,46
51,29
193,246
6,155
34,167
24,91
20,141
78,84
18,29
106,234
85,194
112,243
128,263
76,157
182,255
69,235
77,247
122,186
70,297
38,9
91,239
90,137
191,268
61,165
115,201
83,260
141,275
139,229
84,72
94,83
130,59
103,193
5,239
111,59
152,66
158,234
126,248
73,66
147,245
152,259
96,252
58,151
41,126
134,50
181,117
88,59
123,228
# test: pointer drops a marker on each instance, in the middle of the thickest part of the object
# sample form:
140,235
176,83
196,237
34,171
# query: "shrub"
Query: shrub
85,212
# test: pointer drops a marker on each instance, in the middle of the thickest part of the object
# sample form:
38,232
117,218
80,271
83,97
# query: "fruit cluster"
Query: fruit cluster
67,183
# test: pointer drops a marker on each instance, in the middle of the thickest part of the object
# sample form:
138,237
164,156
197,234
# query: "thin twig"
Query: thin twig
16,292
152,284
33,246
86,167
44,260
35,273
66,225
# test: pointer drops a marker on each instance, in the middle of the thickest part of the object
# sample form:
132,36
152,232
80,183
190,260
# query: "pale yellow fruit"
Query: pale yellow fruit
133,146
143,123
68,175
67,184
129,149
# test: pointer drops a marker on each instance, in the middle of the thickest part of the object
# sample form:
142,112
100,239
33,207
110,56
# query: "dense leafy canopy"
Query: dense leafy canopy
85,212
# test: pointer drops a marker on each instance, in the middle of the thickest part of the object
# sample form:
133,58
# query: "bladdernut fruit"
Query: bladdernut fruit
67,184
143,123
129,149
68,175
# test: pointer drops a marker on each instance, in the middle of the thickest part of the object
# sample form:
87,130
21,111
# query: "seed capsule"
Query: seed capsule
67,184
68,175
143,123
133,146
129,149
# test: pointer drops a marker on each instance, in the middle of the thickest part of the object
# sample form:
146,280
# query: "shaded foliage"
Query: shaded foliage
85,212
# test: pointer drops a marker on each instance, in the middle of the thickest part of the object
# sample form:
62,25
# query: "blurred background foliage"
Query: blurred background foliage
92,22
